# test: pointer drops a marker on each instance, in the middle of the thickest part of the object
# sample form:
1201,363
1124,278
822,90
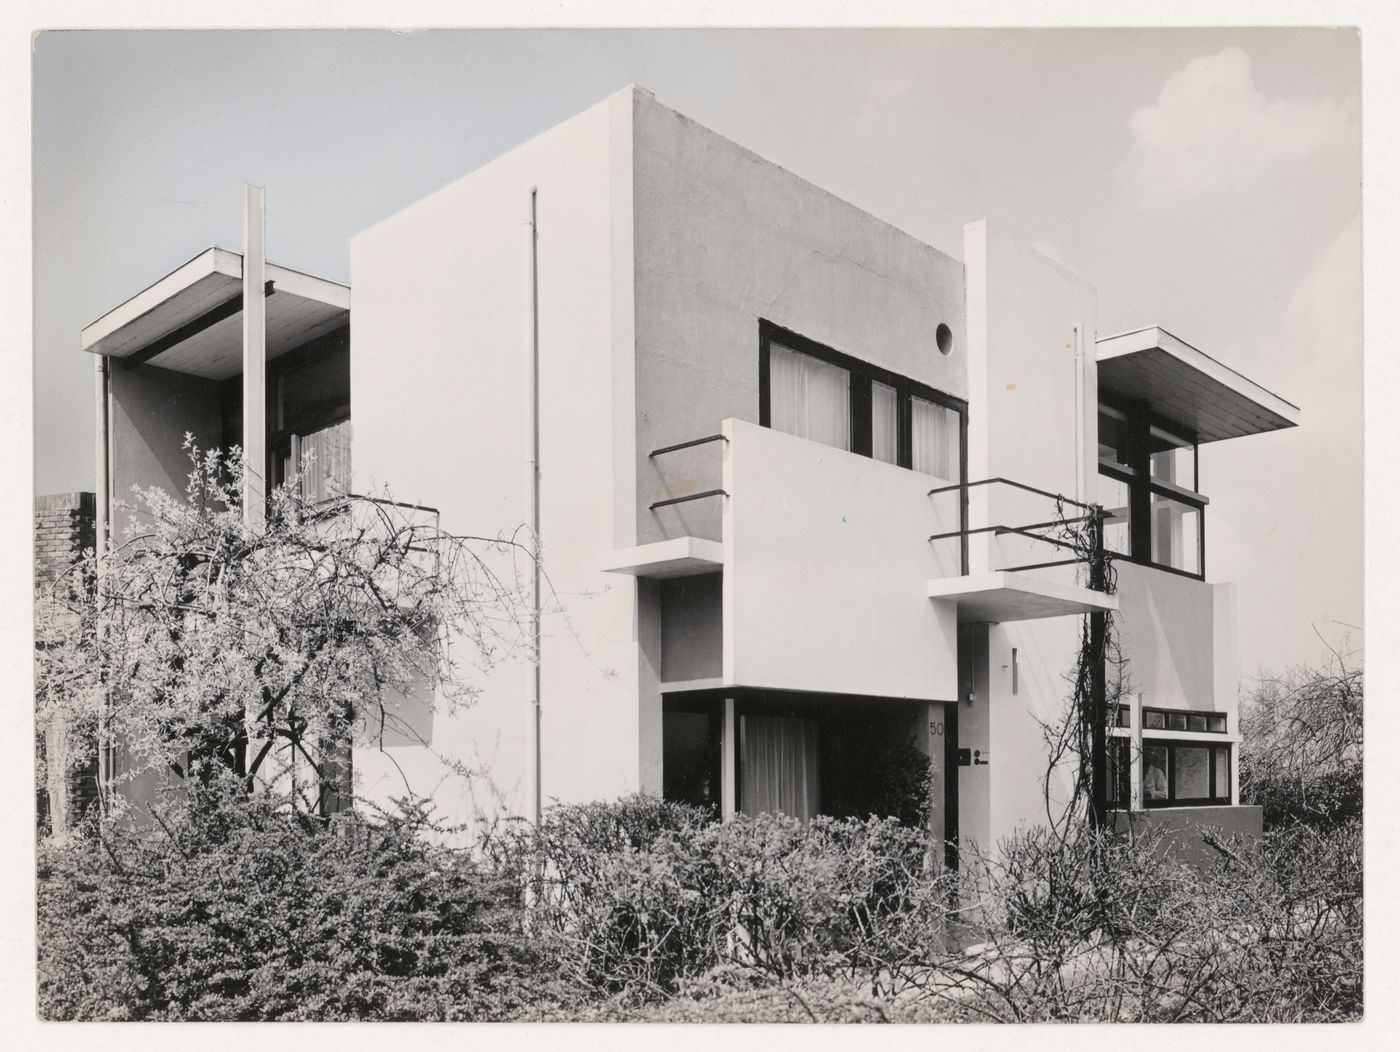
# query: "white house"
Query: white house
795,472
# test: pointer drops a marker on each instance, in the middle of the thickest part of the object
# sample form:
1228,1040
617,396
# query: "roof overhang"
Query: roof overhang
1189,387
191,319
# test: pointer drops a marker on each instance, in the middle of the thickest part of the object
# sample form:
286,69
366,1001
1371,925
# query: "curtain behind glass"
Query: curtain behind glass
332,447
808,397
884,422
778,766
936,440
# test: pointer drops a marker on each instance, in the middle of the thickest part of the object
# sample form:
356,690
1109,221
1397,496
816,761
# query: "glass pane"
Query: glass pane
1176,534
1176,721
1154,772
328,472
1196,723
808,397
690,758
936,440
1192,773
1153,721
1113,437
884,422
1117,526
1222,771
1216,724
1124,716
779,766
314,393
1172,459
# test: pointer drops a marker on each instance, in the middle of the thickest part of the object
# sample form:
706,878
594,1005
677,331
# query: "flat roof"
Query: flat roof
1188,386
191,319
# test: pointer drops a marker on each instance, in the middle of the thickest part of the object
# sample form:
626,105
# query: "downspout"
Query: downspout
532,505
101,536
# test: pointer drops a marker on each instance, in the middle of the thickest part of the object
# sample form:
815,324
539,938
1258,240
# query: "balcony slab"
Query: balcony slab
1002,595
678,557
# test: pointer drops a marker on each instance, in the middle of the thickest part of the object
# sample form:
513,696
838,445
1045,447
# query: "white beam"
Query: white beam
254,356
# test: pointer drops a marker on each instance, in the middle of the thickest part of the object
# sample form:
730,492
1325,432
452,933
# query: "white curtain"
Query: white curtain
778,766
332,447
936,440
884,422
808,397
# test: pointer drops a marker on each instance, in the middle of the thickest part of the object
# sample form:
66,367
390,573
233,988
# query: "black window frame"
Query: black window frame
862,374
1207,714
1137,476
1171,745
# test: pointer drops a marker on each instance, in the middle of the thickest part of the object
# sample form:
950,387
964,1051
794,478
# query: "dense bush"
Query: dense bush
1302,752
642,895
230,909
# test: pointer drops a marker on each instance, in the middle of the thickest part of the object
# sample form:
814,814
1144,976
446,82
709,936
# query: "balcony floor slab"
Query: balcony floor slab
1001,595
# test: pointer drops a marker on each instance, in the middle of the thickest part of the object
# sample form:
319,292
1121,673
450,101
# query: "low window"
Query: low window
1183,774
1180,720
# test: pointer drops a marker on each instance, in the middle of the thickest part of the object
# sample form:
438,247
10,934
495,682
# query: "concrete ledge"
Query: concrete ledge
1183,826
679,557
1005,596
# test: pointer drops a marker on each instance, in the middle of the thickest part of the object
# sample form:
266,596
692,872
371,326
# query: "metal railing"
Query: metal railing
690,496
1032,530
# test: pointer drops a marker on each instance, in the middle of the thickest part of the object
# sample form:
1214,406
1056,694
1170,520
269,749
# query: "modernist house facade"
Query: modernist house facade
791,472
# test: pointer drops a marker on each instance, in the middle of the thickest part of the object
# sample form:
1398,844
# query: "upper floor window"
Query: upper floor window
309,413
1147,485
814,392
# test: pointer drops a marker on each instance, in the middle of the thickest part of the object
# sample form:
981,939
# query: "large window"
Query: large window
309,410
814,392
1184,773
1147,482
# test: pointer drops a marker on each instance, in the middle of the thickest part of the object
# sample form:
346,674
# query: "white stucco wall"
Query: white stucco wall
1031,326
725,238
437,344
826,564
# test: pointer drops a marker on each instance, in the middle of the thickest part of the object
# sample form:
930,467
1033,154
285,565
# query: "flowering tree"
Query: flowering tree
210,648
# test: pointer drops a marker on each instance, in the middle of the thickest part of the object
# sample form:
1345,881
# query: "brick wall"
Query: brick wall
64,526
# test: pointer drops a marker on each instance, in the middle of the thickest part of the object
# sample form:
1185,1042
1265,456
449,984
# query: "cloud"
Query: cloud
1211,127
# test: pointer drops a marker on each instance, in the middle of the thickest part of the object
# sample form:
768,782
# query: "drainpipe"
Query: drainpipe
532,504
101,541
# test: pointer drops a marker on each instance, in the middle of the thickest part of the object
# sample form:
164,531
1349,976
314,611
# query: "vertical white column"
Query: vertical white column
254,356
728,757
101,542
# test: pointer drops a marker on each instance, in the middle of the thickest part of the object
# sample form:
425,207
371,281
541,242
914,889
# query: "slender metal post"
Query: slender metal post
1098,685
533,780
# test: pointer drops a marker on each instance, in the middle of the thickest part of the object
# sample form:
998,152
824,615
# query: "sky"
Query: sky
1208,181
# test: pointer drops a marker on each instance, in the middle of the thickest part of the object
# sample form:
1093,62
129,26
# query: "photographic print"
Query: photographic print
698,525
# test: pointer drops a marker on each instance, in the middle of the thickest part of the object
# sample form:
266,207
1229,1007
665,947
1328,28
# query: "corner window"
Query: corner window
814,392
1147,487
1185,773
309,412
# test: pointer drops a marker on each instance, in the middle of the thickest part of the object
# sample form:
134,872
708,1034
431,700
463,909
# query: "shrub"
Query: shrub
643,895
223,909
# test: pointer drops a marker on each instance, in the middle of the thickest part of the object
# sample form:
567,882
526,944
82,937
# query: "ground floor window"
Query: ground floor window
690,757
1184,773
779,766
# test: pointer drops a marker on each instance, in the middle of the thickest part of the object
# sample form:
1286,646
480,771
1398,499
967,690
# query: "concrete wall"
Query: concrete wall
725,238
826,564
1031,326
437,344
151,411
692,643
1184,825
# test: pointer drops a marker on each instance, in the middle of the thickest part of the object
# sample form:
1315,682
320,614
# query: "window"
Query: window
690,754
814,392
309,412
1185,773
1147,487
1183,720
